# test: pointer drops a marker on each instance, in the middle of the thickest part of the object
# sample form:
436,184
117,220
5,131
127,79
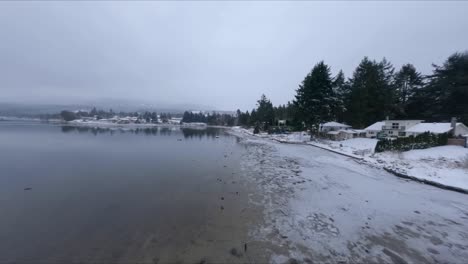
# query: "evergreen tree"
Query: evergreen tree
446,94
315,99
371,92
407,82
265,112
253,118
341,91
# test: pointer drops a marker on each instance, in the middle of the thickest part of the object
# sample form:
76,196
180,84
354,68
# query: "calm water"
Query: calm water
97,195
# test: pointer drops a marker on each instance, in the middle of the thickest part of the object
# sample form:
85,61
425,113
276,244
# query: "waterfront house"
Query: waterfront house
333,126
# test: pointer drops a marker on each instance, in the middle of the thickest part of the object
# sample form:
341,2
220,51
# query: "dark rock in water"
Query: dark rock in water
417,212
237,193
27,189
245,246
222,207
224,166
179,139
235,252
222,198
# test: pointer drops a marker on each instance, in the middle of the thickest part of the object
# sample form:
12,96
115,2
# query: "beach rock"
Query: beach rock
235,252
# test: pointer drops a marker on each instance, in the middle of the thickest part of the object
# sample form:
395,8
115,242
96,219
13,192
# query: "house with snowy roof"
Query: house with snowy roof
374,129
405,128
456,129
332,126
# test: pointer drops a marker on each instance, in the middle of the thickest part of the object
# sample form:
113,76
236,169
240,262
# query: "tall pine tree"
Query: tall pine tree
315,100
371,92
446,94
407,82
265,112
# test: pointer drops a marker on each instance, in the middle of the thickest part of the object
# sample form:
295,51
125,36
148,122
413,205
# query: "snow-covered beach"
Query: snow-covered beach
325,207
446,165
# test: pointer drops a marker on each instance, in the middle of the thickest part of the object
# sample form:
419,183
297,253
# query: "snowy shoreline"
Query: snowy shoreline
443,167
319,206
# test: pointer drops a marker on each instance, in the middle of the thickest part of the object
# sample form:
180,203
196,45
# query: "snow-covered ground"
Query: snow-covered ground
356,146
447,165
321,207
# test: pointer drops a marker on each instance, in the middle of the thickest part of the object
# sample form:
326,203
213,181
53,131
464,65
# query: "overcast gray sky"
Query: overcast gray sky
220,54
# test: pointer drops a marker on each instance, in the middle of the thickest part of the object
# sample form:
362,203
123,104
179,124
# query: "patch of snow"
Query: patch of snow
444,164
354,146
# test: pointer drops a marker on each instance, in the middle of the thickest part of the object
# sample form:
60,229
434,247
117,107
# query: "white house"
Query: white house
398,128
344,134
390,128
175,120
405,128
374,129
438,128
333,126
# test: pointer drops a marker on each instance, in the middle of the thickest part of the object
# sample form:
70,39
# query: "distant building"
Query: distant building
175,120
344,134
332,126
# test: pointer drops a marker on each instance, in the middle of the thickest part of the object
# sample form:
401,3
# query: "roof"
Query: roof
349,131
398,120
437,128
360,130
377,126
346,131
334,124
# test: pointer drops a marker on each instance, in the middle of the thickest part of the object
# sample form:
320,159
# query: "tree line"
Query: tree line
375,90
149,117
213,119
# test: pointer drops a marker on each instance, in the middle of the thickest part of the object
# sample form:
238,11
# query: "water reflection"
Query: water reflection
191,133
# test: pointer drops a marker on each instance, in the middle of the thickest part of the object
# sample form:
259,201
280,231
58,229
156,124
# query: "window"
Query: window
401,134
395,125
390,132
